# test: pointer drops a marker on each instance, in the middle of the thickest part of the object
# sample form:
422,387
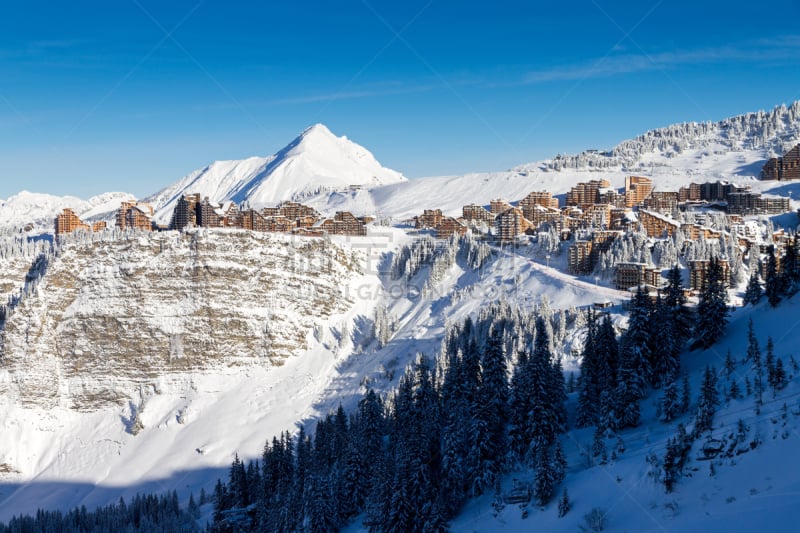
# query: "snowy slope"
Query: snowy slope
755,489
315,161
195,421
57,456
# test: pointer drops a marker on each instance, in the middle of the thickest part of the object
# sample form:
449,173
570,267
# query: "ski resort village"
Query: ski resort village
310,341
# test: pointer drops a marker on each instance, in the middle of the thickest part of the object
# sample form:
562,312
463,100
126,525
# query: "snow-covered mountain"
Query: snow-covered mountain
37,211
145,362
316,161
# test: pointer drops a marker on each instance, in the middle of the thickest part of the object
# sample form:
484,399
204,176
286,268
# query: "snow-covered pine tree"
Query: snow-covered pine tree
630,386
670,402
707,403
754,356
637,342
791,266
712,310
774,283
664,355
753,292
589,393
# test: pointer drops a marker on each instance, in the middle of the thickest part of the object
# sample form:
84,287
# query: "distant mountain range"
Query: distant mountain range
333,173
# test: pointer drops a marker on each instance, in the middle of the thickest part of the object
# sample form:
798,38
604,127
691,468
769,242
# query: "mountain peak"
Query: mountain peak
317,129
314,162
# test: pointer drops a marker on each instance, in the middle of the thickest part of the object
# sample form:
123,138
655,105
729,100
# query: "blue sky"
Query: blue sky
133,94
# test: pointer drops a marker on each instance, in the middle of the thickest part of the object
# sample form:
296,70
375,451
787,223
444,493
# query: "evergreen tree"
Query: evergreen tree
791,266
589,393
670,403
664,354
735,392
753,293
607,350
675,300
769,362
537,407
773,282
630,388
754,356
563,504
637,341
712,310
545,477
491,410
780,375
609,421
708,401
686,394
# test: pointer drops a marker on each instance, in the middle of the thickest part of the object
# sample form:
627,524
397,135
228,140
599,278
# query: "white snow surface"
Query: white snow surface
315,161
62,458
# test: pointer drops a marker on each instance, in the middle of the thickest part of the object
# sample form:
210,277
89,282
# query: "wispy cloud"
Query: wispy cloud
388,88
762,51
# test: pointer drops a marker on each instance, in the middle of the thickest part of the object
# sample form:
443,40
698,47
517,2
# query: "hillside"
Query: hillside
145,361
752,489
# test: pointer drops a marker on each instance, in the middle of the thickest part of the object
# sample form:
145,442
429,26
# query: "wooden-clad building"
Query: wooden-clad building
67,222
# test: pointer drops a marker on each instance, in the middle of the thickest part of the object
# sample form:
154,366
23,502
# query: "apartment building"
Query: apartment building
750,203
449,226
656,224
637,189
430,218
698,273
783,168
67,222
587,192
477,214
540,198
510,224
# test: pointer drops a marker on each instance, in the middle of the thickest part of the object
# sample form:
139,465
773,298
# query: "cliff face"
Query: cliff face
110,317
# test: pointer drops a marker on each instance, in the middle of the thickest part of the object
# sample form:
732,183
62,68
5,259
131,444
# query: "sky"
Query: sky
131,95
